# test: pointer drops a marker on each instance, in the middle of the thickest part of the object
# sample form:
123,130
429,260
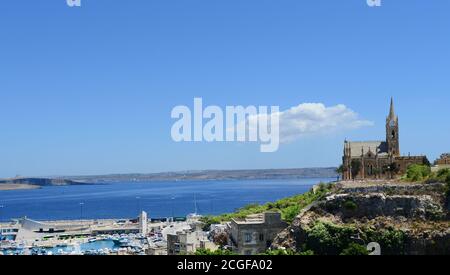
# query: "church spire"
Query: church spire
392,132
392,111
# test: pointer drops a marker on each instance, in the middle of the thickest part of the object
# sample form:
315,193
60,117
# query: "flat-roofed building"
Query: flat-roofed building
255,233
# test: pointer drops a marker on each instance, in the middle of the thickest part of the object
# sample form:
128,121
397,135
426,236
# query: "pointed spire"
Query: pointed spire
392,111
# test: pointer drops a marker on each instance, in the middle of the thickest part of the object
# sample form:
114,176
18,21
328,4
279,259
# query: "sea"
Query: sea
123,200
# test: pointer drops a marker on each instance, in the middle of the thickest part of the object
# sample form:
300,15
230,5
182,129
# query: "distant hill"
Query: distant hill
329,172
40,182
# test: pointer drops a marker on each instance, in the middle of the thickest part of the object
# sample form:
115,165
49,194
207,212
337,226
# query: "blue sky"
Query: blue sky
89,90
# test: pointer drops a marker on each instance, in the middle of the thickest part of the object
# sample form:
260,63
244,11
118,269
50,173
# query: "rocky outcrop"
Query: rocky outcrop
373,205
410,220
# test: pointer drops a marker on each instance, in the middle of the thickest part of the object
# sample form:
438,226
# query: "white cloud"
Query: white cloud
315,118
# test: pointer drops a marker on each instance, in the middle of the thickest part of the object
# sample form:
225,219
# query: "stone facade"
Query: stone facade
378,159
443,160
187,242
254,234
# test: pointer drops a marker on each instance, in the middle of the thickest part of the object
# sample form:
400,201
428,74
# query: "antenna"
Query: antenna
195,203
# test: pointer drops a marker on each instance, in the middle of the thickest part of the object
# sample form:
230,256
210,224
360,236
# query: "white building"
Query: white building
143,223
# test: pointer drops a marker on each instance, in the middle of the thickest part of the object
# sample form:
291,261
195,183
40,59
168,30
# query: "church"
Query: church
378,159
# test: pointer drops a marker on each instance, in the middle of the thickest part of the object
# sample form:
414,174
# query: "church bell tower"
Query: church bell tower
392,133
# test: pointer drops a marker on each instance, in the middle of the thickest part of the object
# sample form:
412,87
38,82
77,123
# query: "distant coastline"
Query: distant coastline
34,183
17,186
205,175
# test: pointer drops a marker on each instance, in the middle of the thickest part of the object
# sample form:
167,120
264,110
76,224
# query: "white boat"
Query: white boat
194,215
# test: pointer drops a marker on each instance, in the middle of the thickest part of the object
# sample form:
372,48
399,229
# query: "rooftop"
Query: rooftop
358,147
251,219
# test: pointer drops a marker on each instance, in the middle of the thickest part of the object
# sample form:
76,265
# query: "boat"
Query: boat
122,242
194,215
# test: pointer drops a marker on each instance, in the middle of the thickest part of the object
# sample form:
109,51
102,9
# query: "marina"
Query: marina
87,237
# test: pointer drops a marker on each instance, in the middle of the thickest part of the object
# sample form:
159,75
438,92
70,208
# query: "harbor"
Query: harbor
138,236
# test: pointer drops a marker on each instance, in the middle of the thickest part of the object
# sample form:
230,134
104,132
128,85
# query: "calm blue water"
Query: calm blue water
159,199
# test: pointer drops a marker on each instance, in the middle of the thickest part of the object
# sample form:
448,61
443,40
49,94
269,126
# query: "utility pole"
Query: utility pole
1,209
81,214
173,207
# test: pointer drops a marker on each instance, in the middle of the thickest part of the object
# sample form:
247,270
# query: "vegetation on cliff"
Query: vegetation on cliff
417,172
400,217
423,173
327,238
288,207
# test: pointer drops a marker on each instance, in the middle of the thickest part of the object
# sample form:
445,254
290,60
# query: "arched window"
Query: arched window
370,169
393,134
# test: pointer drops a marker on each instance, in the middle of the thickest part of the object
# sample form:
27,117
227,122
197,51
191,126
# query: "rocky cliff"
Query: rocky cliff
402,218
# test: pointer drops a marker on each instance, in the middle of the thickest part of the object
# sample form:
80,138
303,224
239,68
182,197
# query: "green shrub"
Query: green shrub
443,174
392,241
329,239
249,207
307,253
288,214
350,205
439,176
325,238
355,249
417,172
